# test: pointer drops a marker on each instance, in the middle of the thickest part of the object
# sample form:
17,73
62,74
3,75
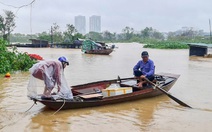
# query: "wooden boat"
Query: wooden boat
86,95
100,51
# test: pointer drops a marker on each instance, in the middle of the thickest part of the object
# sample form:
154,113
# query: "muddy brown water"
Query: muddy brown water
155,114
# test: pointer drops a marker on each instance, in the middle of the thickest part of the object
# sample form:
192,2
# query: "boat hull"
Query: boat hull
100,52
137,95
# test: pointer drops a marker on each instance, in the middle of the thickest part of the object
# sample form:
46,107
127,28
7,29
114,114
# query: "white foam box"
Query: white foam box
116,91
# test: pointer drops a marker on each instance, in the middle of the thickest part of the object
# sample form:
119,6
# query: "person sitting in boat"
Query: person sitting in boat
52,73
144,69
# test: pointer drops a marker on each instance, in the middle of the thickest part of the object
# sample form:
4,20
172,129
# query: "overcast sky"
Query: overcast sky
164,15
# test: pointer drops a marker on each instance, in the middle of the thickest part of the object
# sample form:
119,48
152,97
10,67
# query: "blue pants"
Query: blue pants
139,73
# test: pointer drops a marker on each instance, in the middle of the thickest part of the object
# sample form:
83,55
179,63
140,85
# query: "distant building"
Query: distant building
80,24
95,24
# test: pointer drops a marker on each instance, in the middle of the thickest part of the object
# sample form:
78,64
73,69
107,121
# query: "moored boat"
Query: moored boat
91,47
91,94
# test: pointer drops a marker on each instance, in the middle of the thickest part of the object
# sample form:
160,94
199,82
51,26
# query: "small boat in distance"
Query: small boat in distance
100,93
91,47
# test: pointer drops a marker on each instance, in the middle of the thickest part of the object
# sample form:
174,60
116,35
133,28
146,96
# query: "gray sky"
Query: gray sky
164,15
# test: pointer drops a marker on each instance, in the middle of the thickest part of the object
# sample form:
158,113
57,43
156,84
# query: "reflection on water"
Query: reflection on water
127,116
155,114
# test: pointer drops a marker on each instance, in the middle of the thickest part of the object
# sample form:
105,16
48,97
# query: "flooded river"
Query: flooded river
159,114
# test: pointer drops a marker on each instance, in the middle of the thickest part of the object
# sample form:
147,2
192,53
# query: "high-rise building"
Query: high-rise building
80,24
95,24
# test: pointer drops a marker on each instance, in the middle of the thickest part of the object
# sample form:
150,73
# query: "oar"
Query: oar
168,94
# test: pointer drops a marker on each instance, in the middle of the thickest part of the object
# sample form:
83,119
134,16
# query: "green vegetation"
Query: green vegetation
21,38
7,24
152,38
149,36
13,60
57,36
166,45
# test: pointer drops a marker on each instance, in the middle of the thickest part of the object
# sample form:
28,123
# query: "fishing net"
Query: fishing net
48,74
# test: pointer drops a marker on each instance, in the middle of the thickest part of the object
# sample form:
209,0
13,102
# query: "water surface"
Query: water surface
156,114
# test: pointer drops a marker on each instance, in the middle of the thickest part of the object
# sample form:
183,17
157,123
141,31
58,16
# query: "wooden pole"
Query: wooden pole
210,30
51,35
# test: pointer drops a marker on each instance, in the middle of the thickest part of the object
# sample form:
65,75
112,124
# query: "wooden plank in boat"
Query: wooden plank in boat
89,96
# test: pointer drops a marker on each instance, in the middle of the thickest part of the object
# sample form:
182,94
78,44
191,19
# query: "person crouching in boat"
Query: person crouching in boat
52,73
144,69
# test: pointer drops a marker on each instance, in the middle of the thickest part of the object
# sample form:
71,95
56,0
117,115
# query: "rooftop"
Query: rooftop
200,45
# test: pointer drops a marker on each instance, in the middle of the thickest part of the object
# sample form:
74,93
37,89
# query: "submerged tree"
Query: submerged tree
7,24
69,33
57,34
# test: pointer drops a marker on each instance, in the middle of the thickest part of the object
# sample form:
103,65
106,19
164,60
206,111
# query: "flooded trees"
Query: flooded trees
150,33
69,33
57,34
